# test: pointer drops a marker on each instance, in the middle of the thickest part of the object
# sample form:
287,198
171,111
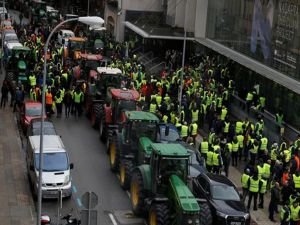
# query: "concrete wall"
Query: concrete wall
201,18
142,5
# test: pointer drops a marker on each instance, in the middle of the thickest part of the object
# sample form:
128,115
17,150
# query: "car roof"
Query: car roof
32,103
52,143
217,179
36,124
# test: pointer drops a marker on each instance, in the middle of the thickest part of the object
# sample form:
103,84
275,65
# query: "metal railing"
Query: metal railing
272,130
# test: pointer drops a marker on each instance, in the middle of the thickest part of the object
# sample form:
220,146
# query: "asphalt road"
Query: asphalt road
91,173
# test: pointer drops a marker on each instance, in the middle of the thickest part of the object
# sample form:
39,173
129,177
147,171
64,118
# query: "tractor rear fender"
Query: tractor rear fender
108,114
145,170
97,101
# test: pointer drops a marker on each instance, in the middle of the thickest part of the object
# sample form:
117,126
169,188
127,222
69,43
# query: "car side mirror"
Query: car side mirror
71,166
31,168
241,195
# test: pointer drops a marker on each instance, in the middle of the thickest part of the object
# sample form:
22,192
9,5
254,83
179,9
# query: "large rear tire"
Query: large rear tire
137,193
205,214
10,76
126,168
114,154
96,114
159,214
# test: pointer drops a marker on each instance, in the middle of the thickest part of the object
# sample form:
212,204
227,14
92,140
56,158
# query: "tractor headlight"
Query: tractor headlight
190,221
197,221
247,216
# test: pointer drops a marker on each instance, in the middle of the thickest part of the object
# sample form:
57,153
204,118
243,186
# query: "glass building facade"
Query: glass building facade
265,30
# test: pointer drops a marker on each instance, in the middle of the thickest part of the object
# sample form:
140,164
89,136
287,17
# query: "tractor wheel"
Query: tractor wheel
126,168
205,214
159,215
114,154
102,131
97,112
137,194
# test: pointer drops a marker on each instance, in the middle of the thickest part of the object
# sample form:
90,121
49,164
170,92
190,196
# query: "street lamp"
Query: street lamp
88,20
183,60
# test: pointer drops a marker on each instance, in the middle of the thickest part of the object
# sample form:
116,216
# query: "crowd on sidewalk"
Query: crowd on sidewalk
207,87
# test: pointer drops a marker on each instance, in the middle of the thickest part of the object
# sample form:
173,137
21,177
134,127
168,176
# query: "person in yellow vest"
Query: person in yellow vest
158,99
285,214
295,213
58,98
32,80
240,138
226,127
296,180
238,127
253,187
244,180
224,112
235,149
262,191
165,118
193,131
226,156
184,131
78,99
195,114
153,106
253,146
32,94
263,146
217,161
260,168
209,162
267,172
203,148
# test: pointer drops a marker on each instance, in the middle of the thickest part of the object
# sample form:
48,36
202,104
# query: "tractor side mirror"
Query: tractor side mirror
167,131
71,166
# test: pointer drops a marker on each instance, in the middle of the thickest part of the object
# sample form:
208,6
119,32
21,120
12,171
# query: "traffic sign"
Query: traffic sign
89,200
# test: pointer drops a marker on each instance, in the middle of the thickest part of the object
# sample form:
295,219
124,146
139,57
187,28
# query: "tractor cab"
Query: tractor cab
39,11
19,62
121,100
53,15
107,78
76,46
90,63
168,160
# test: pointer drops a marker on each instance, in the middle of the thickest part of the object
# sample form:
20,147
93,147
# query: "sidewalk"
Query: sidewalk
17,207
261,216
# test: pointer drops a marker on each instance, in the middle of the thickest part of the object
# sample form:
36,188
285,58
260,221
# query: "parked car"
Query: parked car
34,128
30,110
223,198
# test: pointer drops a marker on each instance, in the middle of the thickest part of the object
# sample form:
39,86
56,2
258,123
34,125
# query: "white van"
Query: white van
56,166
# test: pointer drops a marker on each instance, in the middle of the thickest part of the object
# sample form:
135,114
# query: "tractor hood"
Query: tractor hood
184,197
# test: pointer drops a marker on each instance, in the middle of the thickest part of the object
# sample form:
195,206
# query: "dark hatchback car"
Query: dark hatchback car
224,200
35,128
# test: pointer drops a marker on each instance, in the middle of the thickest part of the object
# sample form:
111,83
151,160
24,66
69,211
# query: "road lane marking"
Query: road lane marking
112,218
74,189
78,202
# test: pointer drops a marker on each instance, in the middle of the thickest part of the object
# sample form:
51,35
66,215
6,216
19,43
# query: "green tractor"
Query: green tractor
123,142
160,188
17,64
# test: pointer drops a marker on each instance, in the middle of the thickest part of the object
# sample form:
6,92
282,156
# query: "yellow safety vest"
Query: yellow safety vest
260,171
296,180
165,118
195,115
223,114
226,127
255,149
263,187
216,159
254,185
204,147
295,212
244,180
184,131
158,99
152,108
77,97
32,80
209,160
238,127
267,170
264,143
240,139
287,154
194,129
235,146
229,147
283,210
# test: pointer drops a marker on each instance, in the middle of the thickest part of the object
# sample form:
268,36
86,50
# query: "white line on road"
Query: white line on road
112,218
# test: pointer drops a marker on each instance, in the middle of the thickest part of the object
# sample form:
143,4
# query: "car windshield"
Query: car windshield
34,110
47,131
57,161
178,166
171,137
77,45
224,192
